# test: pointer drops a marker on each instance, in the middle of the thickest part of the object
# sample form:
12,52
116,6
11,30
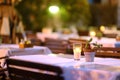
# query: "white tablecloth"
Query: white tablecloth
100,69
14,50
56,35
106,42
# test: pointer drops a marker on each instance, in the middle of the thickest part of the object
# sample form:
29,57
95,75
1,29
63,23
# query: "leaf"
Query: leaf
90,40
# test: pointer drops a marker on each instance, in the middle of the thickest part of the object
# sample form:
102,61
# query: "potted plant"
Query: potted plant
89,52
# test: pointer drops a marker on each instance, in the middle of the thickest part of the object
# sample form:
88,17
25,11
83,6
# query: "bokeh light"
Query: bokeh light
54,9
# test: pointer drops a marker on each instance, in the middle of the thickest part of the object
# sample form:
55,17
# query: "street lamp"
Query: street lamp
54,9
54,21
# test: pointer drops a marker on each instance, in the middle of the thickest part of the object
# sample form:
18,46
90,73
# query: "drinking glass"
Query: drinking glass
77,51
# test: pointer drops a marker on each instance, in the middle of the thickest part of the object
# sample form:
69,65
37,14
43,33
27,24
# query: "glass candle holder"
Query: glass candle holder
77,51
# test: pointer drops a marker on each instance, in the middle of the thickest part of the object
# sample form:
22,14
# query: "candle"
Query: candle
77,51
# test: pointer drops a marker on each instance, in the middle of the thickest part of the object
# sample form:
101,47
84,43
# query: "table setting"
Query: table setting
74,67
100,69
14,50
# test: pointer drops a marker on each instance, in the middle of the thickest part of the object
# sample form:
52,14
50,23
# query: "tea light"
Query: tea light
77,51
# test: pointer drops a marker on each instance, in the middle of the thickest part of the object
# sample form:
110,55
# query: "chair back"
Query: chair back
25,70
3,69
108,52
57,45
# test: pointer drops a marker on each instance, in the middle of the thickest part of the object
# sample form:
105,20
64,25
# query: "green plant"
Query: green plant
36,16
96,45
87,45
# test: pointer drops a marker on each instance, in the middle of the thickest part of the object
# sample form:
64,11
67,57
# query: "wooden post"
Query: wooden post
118,15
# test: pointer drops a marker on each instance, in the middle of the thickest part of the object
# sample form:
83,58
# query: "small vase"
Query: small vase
89,56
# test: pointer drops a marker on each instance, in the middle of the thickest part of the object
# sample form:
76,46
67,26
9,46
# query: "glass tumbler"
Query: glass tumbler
77,47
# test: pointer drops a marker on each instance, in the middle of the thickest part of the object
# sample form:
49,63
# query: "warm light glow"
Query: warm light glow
102,28
77,66
47,30
52,55
77,51
54,9
92,33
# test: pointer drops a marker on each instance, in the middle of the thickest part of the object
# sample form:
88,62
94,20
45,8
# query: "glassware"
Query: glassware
77,51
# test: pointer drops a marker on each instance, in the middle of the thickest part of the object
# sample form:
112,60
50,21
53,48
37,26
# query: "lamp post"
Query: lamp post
54,10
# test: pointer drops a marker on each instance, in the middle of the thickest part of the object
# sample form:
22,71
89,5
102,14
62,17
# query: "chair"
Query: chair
2,70
36,42
110,35
108,52
25,70
57,45
5,39
33,38
2,73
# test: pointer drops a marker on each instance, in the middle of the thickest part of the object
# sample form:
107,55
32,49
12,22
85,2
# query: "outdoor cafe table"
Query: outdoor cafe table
14,50
106,42
100,69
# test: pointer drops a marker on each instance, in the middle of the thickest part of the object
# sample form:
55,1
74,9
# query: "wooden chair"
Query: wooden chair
56,45
2,73
25,70
71,41
32,36
5,39
108,52
110,35
36,42
2,70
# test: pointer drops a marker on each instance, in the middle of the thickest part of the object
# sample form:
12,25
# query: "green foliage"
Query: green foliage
77,10
96,45
103,14
35,13
88,43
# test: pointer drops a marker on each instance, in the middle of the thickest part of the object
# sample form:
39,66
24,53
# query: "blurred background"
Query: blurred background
63,15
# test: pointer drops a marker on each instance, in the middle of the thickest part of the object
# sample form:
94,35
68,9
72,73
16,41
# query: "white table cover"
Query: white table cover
100,69
106,42
14,50
55,35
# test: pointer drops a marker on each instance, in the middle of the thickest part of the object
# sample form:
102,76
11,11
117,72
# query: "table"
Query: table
14,50
100,69
55,35
106,42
